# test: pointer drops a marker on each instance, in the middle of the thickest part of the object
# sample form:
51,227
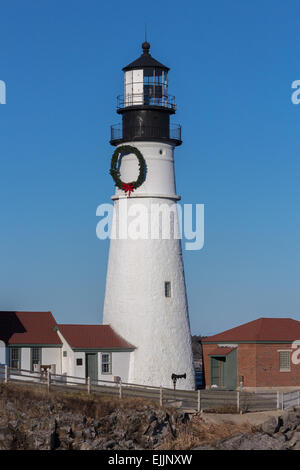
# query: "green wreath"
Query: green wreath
114,171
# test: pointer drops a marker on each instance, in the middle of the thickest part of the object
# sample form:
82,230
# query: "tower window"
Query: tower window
167,289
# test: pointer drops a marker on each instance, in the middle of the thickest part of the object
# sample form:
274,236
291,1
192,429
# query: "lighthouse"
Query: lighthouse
145,296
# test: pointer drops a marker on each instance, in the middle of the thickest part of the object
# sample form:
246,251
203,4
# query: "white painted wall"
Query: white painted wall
160,170
3,353
25,358
133,87
67,363
49,356
135,304
120,366
138,87
79,370
52,356
127,87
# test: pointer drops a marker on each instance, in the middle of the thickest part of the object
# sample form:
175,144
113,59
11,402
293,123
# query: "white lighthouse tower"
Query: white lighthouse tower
145,297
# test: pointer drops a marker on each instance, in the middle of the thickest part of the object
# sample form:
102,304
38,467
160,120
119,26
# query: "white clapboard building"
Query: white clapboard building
33,341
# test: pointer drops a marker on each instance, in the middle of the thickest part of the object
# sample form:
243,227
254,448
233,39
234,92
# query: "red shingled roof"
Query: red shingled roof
221,351
262,329
28,328
93,337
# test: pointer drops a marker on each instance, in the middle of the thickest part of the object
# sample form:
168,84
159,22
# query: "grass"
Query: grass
198,433
93,406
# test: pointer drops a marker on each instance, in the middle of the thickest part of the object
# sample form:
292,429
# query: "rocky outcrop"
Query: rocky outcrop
277,433
37,420
76,424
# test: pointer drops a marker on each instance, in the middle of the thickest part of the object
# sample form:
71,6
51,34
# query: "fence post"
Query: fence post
298,398
278,400
160,396
49,380
6,374
120,389
199,400
89,385
282,401
238,401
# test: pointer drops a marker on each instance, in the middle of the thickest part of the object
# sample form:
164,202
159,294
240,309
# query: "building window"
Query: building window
167,289
106,363
285,361
36,357
15,358
65,354
79,362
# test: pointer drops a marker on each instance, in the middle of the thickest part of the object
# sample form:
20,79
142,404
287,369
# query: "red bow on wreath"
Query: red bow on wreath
128,187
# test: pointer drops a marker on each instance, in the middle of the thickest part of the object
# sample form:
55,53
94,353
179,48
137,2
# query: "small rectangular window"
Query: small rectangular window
36,357
167,289
15,358
284,360
65,354
79,362
106,365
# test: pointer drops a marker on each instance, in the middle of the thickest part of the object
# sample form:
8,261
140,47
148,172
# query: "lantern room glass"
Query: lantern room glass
155,87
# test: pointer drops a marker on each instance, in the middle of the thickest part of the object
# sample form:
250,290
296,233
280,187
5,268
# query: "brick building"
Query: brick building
260,353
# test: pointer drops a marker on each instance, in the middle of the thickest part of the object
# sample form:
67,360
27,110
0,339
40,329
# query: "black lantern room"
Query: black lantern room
146,105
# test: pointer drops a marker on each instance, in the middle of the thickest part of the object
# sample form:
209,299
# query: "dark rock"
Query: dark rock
110,444
280,437
39,442
290,420
152,418
13,424
246,441
272,425
295,438
184,418
287,435
205,447
6,438
85,446
99,443
296,446
54,440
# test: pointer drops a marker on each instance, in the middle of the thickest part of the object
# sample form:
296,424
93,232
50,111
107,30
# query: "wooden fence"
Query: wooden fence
206,400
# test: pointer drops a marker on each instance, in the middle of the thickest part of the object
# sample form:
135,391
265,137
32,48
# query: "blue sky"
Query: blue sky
232,66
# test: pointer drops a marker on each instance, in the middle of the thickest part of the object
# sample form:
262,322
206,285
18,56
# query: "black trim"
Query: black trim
145,60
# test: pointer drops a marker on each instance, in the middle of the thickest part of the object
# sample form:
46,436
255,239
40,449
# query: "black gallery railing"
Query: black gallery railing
144,99
138,132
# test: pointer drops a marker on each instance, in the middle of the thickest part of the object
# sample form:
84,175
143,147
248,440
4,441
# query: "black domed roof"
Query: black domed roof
145,60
